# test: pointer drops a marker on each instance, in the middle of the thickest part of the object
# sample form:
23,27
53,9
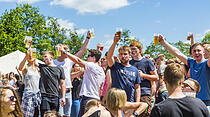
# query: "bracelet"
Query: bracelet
135,113
65,52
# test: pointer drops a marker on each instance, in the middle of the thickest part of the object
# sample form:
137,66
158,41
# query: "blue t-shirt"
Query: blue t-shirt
125,78
201,73
145,65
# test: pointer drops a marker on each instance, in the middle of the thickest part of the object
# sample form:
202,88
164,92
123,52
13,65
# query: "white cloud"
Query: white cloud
157,4
200,36
21,1
66,24
81,31
91,6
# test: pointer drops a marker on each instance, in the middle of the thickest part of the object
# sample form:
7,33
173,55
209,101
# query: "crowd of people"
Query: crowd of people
128,85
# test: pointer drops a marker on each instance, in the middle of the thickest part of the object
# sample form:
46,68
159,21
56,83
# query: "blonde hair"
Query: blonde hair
116,99
197,85
174,74
91,103
51,113
138,45
17,112
125,48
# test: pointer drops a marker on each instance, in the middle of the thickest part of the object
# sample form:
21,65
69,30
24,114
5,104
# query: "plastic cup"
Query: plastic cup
57,50
156,39
33,53
92,35
119,31
189,35
28,41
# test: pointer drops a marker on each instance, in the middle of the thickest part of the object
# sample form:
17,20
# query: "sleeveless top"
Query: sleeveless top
31,80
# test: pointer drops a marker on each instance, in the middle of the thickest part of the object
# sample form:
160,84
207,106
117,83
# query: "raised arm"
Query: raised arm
84,46
74,58
173,50
111,50
22,67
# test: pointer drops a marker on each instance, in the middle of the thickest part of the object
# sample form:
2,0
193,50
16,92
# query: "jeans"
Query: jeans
49,103
83,105
75,107
67,108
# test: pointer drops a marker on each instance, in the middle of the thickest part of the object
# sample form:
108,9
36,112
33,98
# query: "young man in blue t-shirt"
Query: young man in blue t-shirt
199,67
147,72
124,76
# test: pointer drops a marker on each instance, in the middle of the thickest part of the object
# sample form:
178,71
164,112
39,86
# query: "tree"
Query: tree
17,23
206,38
26,20
153,50
125,38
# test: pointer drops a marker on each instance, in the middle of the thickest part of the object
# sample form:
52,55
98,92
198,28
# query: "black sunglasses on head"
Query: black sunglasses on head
90,55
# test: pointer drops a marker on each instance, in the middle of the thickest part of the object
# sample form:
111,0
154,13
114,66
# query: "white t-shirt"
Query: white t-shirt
94,76
67,66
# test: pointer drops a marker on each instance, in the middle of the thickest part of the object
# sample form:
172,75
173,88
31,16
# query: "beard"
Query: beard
124,61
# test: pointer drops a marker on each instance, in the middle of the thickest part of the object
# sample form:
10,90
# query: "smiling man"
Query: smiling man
124,76
199,67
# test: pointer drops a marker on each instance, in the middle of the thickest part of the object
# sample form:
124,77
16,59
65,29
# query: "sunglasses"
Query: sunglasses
12,98
186,85
90,55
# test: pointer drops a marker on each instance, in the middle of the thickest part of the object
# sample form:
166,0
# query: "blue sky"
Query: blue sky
172,18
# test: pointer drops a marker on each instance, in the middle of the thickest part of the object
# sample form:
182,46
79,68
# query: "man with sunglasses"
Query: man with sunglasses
64,62
199,66
190,87
93,76
177,104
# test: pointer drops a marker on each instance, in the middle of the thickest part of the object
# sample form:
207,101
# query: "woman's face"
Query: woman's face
8,101
77,67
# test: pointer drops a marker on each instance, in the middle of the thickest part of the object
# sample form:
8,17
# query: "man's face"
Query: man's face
134,51
104,61
206,51
188,88
198,53
47,58
124,56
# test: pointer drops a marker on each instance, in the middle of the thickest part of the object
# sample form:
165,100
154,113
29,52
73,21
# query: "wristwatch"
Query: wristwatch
65,51
135,113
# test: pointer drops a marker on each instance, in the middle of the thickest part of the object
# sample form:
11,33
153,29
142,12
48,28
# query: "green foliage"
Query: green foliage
125,38
153,50
207,37
26,20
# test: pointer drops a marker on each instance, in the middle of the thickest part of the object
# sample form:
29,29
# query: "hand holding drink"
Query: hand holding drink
28,41
92,35
33,53
119,32
189,35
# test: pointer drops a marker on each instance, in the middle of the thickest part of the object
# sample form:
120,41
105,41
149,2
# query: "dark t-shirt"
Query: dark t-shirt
77,83
182,107
125,78
50,80
145,65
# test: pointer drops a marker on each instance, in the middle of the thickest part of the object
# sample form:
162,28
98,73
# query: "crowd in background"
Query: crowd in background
128,85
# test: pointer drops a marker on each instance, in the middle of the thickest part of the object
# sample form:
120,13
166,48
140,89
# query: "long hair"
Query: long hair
116,99
17,112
